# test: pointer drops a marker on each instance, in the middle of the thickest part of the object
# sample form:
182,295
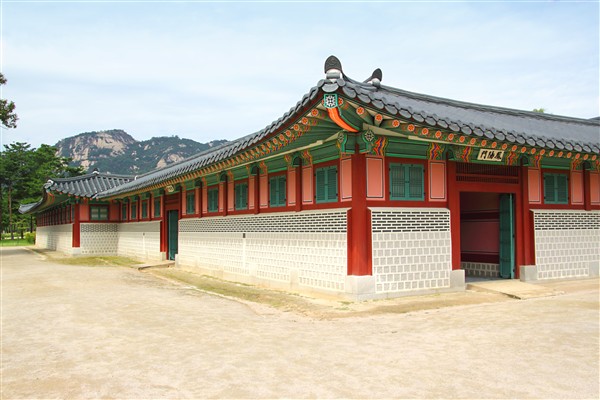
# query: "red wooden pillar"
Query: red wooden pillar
359,227
298,206
163,223
76,227
520,237
257,193
223,200
198,199
587,192
526,231
454,207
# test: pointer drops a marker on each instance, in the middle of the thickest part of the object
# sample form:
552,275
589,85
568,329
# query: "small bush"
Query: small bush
30,237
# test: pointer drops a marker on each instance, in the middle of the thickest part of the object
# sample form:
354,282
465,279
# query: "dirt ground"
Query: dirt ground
71,331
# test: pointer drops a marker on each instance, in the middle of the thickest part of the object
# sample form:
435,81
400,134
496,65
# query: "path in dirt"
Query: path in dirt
112,332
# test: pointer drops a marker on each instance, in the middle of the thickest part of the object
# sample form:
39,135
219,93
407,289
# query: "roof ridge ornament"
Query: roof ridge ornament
333,68
375,78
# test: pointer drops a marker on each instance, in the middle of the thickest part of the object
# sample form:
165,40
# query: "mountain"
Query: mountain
115,151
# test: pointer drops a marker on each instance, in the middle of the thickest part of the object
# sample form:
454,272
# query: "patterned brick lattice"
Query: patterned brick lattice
567,243
310,245
411,249
307,221
140,240
487,270
99,239
55,237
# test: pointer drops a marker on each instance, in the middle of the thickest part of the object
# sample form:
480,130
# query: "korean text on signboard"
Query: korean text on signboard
490,155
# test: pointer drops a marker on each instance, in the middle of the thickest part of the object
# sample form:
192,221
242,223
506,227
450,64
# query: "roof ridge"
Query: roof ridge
91,175
196,156
482,107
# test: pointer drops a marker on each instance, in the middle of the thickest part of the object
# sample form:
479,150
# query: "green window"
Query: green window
99,213
157,207
277,191
213,199
407,182
556,188
190,202
144,209
241,196
133,210
326,184
124,212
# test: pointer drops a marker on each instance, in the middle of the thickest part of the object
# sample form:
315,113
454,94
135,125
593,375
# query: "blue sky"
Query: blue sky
217,70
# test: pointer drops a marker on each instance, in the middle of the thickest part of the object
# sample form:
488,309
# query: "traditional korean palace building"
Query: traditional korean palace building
361,190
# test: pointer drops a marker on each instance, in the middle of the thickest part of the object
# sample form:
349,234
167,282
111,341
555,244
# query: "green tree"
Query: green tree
23,171
7,110
540,110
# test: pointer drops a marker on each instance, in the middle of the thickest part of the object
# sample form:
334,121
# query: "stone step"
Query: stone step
513,288
160,264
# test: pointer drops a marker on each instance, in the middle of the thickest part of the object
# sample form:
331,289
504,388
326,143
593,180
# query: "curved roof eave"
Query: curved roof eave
544,130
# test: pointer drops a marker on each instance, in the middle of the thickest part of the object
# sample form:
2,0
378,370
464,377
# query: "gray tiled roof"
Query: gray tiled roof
503,124
82,186
87,185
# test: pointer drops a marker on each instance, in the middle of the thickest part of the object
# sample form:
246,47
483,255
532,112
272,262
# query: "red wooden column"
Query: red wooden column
526,258
163,222
359,220
256,194
298,206
198,198
76,227
223,200
454,207
587,192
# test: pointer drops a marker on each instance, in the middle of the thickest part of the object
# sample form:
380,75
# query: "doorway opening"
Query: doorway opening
172,233
487,235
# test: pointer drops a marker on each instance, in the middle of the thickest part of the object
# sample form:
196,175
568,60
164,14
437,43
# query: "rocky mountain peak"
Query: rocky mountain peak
115,151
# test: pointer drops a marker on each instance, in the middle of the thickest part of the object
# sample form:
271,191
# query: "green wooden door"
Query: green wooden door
172,233
507,236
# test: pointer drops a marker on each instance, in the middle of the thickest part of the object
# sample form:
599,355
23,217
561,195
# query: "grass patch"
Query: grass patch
93,261
110,261
323,308
278,299
14,242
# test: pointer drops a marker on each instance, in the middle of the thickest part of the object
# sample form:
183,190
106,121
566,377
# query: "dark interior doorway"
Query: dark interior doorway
172,233
487,227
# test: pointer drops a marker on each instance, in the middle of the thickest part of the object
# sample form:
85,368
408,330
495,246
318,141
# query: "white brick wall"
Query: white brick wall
308,248
411,248
567,243
490,270
139,240
55,237
99,239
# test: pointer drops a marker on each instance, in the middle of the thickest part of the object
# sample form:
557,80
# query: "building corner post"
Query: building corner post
76,227
359,221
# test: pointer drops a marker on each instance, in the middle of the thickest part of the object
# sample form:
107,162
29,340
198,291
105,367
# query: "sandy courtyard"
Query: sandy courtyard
112,332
